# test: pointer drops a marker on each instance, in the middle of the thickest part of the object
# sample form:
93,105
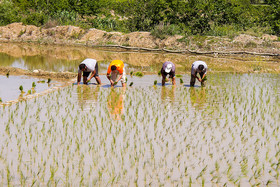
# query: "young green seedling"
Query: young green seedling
49,80
155,82
131,84
139,74
21,88
33,85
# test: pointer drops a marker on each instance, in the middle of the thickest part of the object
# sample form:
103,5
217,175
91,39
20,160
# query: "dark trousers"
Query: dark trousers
192,82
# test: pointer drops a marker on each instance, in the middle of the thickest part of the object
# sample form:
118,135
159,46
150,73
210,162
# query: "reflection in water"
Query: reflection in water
63,58
87,94
116,102
198,97
168,93
39,62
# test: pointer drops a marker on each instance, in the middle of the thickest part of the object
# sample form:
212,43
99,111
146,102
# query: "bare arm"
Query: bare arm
109,78
173,80
203,76
119,78
92,75
197,77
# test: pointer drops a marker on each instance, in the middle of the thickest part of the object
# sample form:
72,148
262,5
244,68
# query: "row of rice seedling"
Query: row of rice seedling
224,134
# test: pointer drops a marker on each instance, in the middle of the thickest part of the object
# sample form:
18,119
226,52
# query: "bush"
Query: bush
8,12
65,17
222,30
106,23
163,30
35,18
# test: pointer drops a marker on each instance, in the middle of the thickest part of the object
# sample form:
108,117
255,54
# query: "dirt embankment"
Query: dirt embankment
70,35
37,73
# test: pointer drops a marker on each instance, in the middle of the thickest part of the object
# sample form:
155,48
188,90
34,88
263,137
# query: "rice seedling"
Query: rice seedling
21,88
8,74
49,80
181,81
139,74
131,84
155,82
33,84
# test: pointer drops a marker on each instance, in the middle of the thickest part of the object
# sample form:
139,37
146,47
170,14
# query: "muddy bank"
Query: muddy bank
37,73
268,45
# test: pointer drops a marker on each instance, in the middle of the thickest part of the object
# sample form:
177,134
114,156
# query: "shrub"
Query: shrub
8,12
163,30
223,30
35,18
65,17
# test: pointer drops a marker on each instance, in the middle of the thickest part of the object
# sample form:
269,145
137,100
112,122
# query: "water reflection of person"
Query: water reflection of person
116,102
87,93
198,96
168,93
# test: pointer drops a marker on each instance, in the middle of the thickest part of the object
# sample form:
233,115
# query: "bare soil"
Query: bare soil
71,35
75,38
37,73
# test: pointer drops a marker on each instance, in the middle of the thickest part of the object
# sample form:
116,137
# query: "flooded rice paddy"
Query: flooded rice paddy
10,87
226,133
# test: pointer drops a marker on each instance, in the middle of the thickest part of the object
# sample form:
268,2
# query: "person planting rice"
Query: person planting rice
201,68
88,66
168,68
116,72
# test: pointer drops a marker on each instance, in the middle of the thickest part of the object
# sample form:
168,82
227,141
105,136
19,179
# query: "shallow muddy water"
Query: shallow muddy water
224,134
10,86
64,58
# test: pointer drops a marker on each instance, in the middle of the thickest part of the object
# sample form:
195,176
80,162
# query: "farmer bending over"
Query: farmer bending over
201,68
88,66
168,68
116,72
